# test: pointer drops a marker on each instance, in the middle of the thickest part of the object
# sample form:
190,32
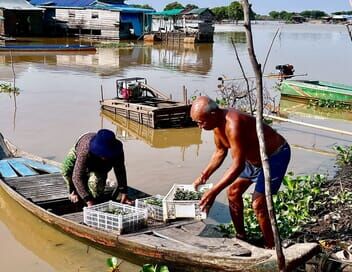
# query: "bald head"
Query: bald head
204,112
203,105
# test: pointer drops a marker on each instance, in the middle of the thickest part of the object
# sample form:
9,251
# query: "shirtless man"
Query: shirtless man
236,131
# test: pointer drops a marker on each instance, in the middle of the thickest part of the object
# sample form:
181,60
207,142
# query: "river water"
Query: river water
59,101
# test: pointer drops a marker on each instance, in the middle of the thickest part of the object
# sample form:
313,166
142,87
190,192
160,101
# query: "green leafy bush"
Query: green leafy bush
293,206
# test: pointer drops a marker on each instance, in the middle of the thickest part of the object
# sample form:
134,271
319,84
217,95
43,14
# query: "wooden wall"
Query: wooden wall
91,19
2,28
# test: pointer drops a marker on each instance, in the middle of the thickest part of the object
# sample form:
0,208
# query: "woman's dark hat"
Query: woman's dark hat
104,144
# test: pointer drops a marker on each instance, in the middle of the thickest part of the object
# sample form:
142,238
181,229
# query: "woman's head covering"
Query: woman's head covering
104,144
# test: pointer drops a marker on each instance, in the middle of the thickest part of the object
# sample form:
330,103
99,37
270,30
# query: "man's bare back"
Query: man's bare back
240,132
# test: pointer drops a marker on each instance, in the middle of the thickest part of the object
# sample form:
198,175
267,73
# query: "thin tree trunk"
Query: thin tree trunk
260,133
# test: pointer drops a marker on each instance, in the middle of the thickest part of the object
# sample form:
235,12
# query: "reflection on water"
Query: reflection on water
190,58
288,107
193,58
61,252
158,138
60,95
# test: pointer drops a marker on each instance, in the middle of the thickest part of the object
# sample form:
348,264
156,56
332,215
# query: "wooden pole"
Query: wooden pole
260,133
184,94
14,80
102,92
308,124
272,76
349,31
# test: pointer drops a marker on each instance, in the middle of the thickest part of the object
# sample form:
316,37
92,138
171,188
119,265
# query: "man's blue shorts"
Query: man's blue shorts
278,162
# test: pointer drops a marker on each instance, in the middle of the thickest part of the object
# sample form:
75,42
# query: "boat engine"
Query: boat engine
285,71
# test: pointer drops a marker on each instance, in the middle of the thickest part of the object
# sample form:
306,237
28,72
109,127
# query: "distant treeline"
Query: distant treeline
234,12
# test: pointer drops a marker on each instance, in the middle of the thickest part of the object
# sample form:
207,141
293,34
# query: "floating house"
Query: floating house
107,19
20,18
181,25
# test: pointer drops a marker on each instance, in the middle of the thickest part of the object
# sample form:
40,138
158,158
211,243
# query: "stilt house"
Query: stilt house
196,25
20,18
108,19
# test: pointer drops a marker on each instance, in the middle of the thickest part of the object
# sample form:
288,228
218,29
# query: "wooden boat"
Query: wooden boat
138,101
47,48
185,245
316,90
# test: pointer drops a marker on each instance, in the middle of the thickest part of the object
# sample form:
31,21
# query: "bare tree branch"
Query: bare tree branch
271,45
259,124
244,75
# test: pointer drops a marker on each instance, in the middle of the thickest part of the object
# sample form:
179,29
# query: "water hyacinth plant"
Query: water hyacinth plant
154,268
113,263
293,205
344,154
8,88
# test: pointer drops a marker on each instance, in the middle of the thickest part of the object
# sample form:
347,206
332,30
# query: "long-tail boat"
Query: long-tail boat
47,48
36,184
316,90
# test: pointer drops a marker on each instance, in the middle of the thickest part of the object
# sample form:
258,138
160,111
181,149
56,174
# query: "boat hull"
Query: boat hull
316,90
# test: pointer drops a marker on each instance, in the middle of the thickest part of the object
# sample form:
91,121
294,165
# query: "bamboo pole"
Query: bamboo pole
269,76
308,124
260,133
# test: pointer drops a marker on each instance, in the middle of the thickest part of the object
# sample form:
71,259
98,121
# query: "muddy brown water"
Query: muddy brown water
59,101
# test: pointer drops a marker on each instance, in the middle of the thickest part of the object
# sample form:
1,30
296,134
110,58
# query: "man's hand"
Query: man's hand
126,200
207,201
202,179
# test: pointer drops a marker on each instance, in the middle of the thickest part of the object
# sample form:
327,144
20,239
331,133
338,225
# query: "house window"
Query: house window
95,15
71,14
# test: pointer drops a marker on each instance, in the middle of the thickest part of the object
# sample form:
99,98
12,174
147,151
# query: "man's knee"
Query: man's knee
237,189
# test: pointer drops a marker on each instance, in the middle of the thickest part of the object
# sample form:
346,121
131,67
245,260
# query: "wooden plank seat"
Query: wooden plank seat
43,188
23,167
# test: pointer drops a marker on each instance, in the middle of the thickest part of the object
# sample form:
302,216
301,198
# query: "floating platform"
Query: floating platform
146,105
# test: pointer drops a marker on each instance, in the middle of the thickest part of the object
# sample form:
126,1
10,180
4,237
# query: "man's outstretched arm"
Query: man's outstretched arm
216,160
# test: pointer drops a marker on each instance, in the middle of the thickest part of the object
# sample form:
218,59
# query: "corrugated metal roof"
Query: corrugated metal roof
17,4
196,11
63,3
170,12
121,7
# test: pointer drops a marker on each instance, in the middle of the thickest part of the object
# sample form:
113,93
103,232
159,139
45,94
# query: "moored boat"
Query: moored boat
46,48
185,245
316,90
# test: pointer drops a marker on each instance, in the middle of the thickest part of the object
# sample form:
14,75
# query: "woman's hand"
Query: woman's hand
126,200
90,203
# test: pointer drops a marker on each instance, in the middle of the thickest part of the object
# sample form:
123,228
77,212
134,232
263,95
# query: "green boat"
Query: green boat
316,90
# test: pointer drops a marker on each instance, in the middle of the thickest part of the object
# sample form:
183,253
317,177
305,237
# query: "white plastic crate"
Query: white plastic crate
154,211
98,216
173,209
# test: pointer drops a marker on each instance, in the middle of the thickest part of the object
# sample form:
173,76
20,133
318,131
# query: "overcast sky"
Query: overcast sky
259,6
